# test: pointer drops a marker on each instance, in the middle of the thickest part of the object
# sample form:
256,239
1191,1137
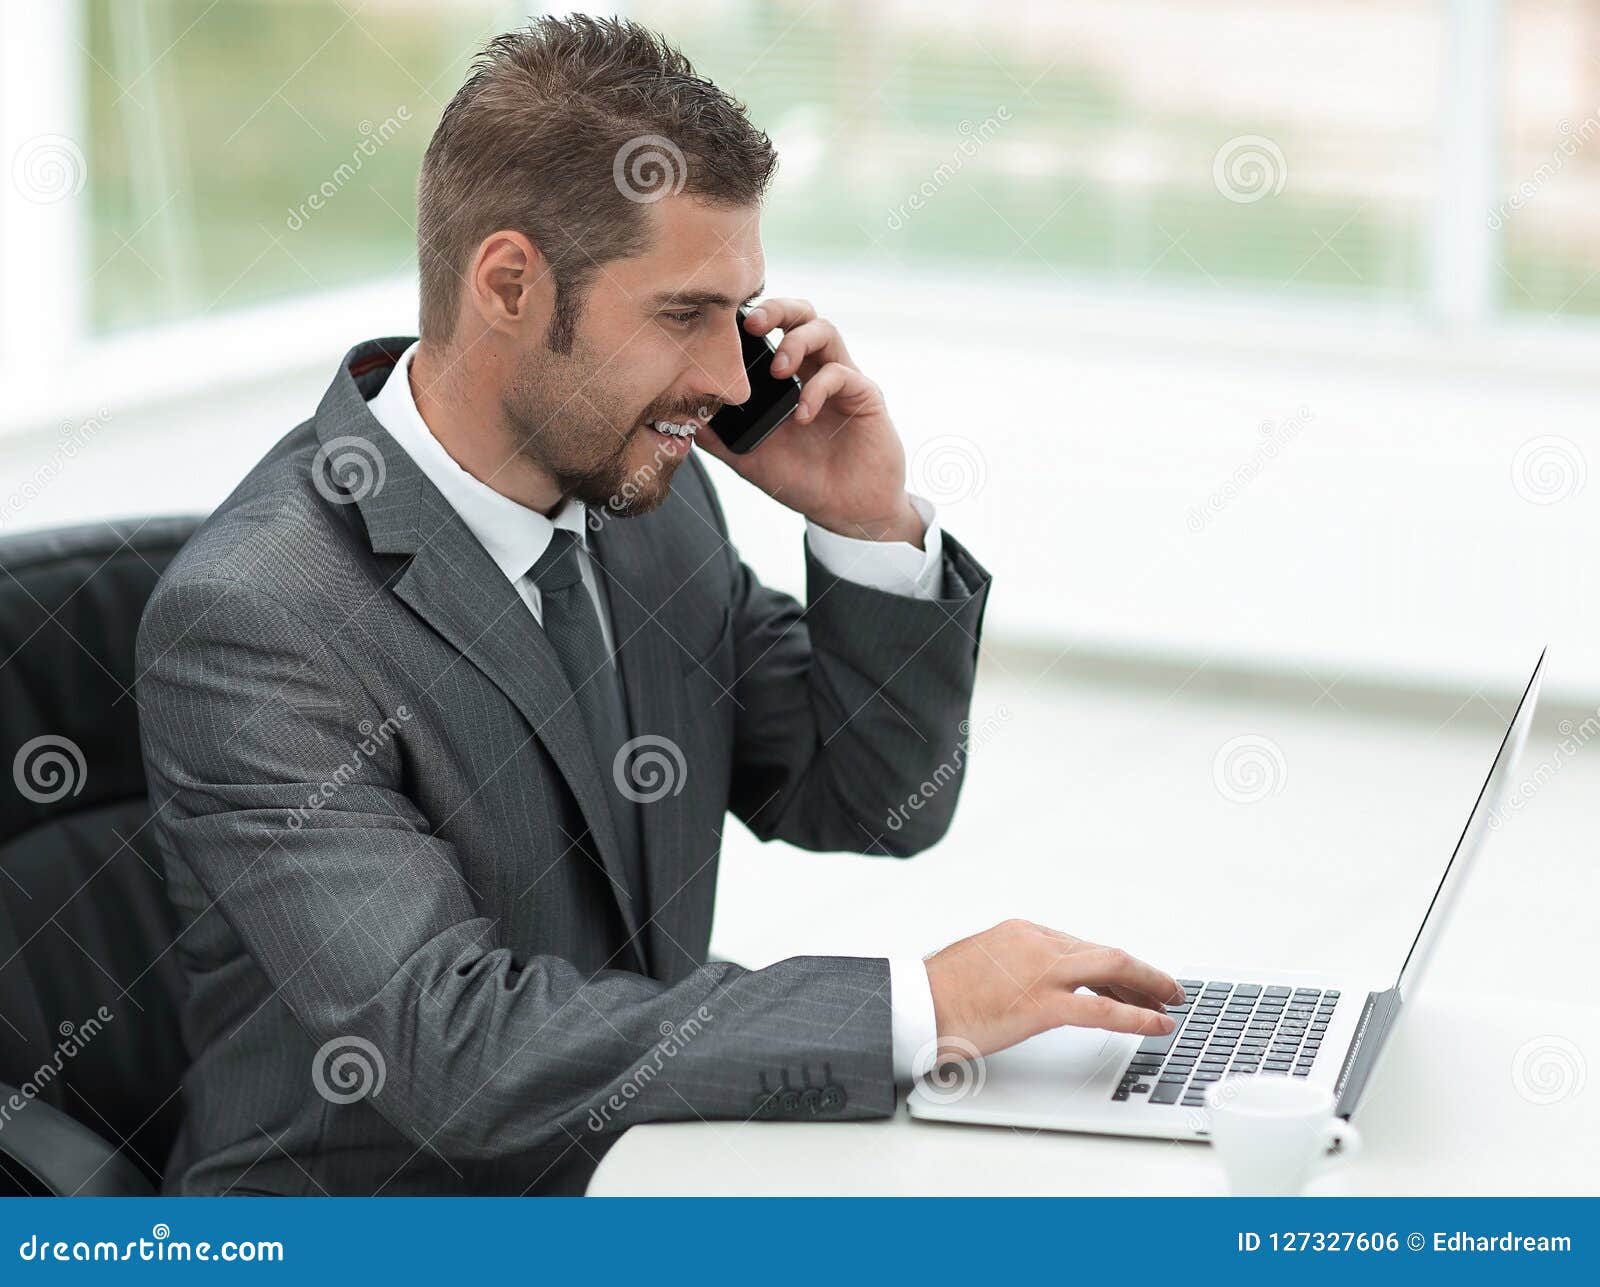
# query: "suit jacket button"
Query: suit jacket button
833,1098
811,1101
789,1102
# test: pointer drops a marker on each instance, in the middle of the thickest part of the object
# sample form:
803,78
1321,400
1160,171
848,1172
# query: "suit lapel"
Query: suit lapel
453,585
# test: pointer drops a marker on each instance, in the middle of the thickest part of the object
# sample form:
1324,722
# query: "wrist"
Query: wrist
898,522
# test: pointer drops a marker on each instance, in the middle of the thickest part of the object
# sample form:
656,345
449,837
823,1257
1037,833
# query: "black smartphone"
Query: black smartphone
742,428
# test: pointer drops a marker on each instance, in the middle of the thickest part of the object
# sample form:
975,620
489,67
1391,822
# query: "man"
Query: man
444,707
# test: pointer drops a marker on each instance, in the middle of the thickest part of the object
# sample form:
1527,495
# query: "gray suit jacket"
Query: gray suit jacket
415,964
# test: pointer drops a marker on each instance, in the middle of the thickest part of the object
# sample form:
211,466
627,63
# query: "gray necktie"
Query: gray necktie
573,627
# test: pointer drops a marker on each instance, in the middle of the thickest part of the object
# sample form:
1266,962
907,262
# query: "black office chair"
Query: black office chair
88,1105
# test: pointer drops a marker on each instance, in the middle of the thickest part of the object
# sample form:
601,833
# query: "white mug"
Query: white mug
1270,1131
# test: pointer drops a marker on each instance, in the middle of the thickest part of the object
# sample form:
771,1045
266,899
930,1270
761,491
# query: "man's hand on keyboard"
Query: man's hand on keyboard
1018,979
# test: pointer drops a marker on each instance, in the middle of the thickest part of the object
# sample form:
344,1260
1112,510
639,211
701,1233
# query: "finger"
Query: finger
1112,965
780,314
1133,997
817,339
834,380
1085,1011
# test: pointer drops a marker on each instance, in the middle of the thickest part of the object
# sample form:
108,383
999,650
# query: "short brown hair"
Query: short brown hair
564,130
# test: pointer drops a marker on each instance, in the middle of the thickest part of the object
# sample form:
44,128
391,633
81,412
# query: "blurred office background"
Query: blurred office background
1250,343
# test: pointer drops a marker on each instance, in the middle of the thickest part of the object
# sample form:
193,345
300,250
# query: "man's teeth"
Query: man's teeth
674,430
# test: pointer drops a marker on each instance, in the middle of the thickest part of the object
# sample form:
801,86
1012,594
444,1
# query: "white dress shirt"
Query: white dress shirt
515,536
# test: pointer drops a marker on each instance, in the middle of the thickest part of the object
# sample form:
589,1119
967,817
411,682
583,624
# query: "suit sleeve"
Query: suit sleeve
280,784
852,713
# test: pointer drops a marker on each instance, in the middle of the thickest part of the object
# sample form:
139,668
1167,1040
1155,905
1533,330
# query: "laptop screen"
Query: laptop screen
1485,815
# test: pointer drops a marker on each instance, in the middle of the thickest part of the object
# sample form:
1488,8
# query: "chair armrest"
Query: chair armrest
62,1154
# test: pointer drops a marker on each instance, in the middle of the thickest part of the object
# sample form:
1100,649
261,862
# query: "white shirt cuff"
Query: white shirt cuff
895,567
911,1022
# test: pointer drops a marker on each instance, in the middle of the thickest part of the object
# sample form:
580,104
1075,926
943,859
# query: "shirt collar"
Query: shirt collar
514,535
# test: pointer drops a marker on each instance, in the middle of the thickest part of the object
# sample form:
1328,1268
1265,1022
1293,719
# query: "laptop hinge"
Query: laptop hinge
1377,1021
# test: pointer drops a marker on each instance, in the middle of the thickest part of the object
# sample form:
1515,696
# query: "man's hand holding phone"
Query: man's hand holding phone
837,459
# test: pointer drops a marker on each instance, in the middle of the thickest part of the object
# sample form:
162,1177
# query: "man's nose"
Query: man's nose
720,371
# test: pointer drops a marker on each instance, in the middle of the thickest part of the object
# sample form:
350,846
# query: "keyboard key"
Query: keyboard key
1278,992
1247,989
1157,1045
1140,1088
1166,1093
1302,1072
1332,994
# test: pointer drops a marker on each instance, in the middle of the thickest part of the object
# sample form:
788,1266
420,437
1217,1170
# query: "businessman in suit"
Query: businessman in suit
444,707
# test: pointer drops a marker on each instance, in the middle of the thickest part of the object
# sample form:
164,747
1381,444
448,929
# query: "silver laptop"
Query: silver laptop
1328,1030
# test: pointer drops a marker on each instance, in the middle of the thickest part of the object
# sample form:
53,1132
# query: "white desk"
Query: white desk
1129,842
1445,1118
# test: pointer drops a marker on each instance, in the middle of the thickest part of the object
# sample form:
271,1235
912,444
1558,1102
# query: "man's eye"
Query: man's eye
684,319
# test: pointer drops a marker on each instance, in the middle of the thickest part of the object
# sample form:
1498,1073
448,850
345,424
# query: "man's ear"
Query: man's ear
508,284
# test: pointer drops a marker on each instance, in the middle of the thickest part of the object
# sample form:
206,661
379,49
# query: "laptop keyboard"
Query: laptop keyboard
1228,1029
